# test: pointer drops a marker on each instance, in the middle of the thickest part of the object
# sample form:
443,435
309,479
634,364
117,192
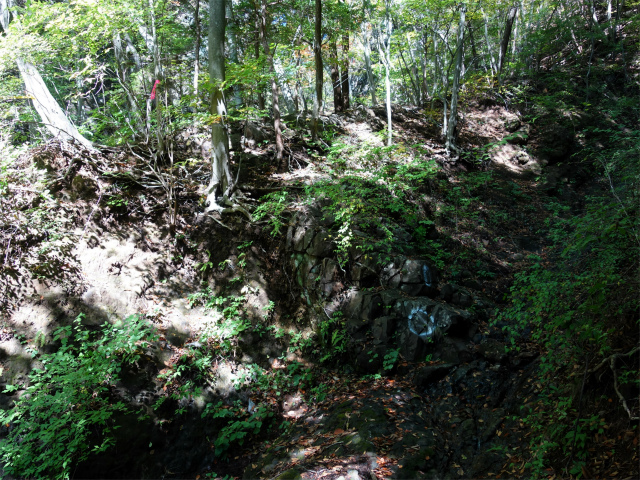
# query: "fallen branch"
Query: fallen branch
611,360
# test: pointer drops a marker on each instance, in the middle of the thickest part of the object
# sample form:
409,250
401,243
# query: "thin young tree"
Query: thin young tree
384,47
221,181
453,115
317,53
275,89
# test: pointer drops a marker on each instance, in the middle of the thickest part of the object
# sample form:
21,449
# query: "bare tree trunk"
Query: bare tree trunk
504,43
257,46
232,42
474,52
336,80
50,112
425,53
220,175
275,90
453,115
385,55
346,97
300,98
121,74
366,44
317,53
48,109
411,71
492,61
196,67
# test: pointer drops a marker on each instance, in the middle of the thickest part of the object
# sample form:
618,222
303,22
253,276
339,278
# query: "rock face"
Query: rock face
396,304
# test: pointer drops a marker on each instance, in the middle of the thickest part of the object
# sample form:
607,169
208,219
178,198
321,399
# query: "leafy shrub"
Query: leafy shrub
54,423
241,423
580,302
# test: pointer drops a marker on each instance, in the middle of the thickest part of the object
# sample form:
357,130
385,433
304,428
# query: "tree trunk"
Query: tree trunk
504,43
366,48
385,55
220,175
346,98
410,71
232,42
300,98
317,53
121,75
196,67
425,86
257,46
474,52
492,62
336,81
453,115
50,112
275,90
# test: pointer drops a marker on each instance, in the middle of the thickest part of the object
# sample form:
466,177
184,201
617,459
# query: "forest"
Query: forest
306,239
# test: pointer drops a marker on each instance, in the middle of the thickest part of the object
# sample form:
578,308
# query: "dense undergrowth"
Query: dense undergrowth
575,303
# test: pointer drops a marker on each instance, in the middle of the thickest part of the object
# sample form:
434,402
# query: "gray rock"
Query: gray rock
302,238
330,280
492,350
253,134
412,289
431,374
391,274
383,329
412,346
363,305
462,299
447,291
455,321
321,245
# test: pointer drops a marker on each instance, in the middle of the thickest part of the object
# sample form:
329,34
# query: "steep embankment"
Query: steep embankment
348,331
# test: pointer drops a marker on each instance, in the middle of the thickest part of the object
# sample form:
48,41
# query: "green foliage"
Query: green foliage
276,381
54,423
552,426
390,358
580,301
240,423
333,336
273,207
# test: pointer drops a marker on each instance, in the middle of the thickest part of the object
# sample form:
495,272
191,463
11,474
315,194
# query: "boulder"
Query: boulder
431,374
383,329
321,245
391,274
330,278
363,305
253,134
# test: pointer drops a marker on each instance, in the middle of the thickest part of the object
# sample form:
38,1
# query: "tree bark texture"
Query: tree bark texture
453,114
346,102
275,90
317,53
50,112
506,35
336,80
47,107
196,67
220,175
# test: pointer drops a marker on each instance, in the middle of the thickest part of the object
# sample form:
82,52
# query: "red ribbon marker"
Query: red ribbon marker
153,92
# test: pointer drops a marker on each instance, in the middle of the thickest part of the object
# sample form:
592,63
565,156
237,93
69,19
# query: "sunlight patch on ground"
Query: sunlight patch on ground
362,133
